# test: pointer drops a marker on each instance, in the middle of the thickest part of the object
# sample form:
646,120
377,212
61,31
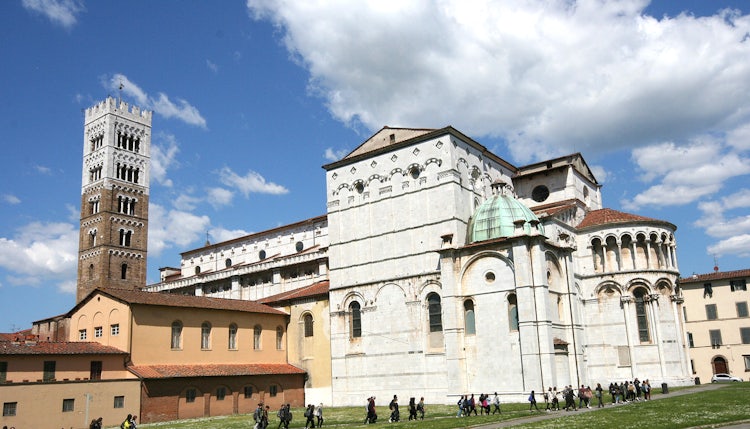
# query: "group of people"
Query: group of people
467,405
128,423
628,391
312,413
416,410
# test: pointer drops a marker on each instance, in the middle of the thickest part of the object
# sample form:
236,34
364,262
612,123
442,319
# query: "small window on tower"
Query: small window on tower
124,272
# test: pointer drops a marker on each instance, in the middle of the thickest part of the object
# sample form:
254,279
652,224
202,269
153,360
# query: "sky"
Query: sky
251,98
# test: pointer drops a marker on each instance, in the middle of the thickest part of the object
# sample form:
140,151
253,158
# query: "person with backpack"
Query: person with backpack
319,415
258,416
126,423
420,408
393,406
532,401
310,415
281,414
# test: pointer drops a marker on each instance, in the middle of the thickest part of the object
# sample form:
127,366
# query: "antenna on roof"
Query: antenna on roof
208,243
716,264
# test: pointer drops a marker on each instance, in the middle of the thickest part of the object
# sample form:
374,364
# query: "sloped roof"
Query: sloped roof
213,370
383,138
608,217
574,160
719,275
315,289
176,300
57,348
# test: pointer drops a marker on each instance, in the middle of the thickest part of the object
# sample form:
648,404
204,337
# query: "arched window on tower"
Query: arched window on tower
91,271
469,318
124,271
640,313
355,320
279,338
512,312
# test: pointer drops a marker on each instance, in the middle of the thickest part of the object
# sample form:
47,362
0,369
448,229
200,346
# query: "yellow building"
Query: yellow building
64,384
195,356
717,323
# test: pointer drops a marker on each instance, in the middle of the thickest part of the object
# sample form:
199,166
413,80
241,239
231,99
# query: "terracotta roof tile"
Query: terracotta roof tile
57,348
609,216
177,300
318,288
719,275
213,370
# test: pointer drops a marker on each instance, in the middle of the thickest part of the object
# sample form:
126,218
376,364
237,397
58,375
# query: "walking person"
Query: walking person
319,415
393,406
496,404
420,408
532,402
460,404
281,414
310,415
599,392
546,399
412,409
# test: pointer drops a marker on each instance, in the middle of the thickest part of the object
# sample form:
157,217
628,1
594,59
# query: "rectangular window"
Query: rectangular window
745,335
221,392
98,332
692,366
68,405
715,335
737,285
49,370
690,340
711,313
684,313
747,362
190,395
708,291
119,402
9,408
96,370
114,330
273,390
742,309
248,391
3,371
82,335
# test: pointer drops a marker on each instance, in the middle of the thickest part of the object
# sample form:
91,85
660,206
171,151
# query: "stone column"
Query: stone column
625,301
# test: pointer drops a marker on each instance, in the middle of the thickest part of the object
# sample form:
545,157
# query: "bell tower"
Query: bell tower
114,197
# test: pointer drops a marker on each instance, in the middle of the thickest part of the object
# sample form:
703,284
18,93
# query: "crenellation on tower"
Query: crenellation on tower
114,197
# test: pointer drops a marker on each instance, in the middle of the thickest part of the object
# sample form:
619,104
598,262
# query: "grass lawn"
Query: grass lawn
728,404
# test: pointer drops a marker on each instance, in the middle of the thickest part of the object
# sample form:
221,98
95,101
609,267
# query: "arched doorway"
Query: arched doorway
719,365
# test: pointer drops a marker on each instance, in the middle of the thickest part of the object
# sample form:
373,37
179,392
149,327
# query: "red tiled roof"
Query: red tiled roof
57,348
720,275
177,300
609,216
319,288
213,370
554,208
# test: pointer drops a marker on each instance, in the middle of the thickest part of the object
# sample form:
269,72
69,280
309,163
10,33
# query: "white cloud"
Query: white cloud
42,169
218,235
526,71
161,104
251,182
61,12
212,66
167,228
11,199
185,202
738,245
41,253
685,173
218,197
600,173
162,157
334,155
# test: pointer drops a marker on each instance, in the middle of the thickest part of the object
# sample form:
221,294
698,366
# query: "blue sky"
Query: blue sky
251,98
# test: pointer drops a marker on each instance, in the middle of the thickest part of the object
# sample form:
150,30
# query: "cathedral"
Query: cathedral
441,269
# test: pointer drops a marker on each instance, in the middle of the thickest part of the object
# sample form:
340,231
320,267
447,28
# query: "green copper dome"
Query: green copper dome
502,216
